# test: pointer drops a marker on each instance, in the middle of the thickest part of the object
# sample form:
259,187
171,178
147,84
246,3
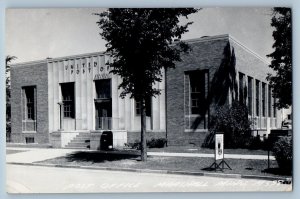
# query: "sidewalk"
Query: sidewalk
31,155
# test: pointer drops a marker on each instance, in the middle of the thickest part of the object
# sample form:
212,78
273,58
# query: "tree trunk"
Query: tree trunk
143,131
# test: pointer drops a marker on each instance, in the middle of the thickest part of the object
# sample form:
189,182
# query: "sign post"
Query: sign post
219,152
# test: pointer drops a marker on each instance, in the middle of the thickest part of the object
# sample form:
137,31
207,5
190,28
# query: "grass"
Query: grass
194,149
132,161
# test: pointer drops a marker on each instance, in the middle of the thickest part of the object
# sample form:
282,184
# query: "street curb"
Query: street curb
219,175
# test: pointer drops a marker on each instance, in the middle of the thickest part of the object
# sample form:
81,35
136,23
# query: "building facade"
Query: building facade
71,101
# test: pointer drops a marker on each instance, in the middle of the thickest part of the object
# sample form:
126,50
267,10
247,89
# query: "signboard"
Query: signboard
219,146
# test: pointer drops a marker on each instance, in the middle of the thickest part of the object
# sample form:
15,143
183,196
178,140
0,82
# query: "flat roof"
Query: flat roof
196,40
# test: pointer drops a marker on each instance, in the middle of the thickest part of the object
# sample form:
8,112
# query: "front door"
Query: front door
103,115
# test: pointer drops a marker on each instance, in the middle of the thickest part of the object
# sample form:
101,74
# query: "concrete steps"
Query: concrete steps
81,141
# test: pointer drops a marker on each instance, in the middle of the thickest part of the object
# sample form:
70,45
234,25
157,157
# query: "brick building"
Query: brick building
70,101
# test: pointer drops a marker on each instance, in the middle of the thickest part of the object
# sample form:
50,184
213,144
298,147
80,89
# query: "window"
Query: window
263,99
274,108
257,97
67,90
29,102
147,105
241,88
29,140
250,95
103,88
197,91
269,102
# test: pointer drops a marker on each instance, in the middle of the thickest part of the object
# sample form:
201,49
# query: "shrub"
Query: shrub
135,145
153,143
283,151
233,121
157,143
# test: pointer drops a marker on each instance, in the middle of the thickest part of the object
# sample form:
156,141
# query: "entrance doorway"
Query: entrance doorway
103,115
103,104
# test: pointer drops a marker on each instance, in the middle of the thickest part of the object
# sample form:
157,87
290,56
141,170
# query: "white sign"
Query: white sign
219,146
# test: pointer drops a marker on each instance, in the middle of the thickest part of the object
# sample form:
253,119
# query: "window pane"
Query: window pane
250,95
67,90
197,92
257,98
29,102
148,106
263,99
103,88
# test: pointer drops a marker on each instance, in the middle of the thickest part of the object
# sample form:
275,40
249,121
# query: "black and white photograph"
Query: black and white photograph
110,100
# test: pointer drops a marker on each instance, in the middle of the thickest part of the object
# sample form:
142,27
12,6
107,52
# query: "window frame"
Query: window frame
197,91
148,106
263,99
68,102
29,102
250,95
257,94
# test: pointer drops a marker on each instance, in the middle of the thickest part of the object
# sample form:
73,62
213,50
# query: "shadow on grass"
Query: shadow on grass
278,171
98,157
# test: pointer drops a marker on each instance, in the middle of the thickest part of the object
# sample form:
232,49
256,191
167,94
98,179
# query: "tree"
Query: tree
281,82
140,42
8,59
233,121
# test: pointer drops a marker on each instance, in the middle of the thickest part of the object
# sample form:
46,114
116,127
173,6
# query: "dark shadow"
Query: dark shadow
99,156
278,171
224,80
208,169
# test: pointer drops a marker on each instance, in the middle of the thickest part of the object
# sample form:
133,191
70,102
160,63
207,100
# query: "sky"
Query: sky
35,34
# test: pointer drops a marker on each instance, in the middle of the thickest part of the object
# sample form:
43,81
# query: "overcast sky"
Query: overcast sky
35,34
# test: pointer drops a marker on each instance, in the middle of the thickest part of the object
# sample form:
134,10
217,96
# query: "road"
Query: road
37,179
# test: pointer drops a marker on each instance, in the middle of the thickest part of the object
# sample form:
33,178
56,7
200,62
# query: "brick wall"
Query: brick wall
221,56
204,55
30,75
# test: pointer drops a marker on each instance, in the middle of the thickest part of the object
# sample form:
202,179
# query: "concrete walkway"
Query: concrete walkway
30,155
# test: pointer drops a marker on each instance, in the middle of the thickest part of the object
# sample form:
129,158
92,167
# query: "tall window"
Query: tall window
197,91
241,88
269,102
257,97
103,88
67,90
263,99
29,101
147,106
274,108
250,95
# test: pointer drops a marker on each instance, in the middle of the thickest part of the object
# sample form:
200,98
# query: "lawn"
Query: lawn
190,164
194,149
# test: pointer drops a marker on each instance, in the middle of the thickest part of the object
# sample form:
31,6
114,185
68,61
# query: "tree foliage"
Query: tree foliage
281,63
140,40
8,59
283,152
233,121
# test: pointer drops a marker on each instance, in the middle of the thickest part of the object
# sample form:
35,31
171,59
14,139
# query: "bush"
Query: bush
135,145
283,151
233,121
157,143
153,143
